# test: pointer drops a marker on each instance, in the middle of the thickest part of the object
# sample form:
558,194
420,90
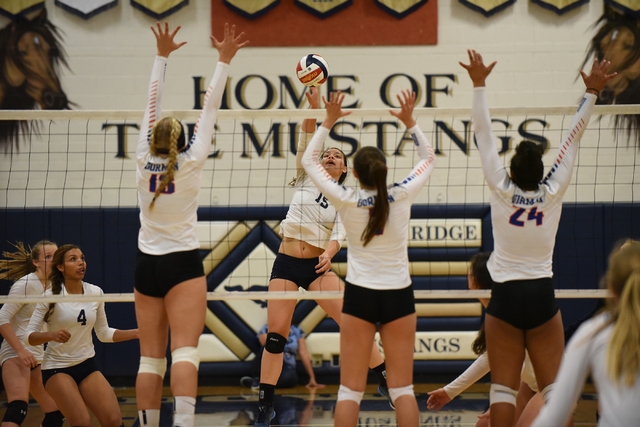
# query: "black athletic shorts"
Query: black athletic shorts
378,306
78,372
301,271
525,304
155,275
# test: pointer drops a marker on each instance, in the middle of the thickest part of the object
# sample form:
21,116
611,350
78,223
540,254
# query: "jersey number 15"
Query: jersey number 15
156,179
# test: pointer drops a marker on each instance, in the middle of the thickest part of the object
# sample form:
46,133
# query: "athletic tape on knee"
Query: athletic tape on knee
186,354
502,394
152,365
275,343
546,393
396,392
345,393
16,412
53,419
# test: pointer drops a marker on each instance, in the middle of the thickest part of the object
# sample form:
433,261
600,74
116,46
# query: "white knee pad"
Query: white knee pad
345,393
152,365
502,394
395,393
546,392
186,354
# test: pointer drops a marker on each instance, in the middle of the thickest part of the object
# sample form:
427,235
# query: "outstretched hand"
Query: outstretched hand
437,399
334,109
230,44
313,96
598,78
164,39
407,103
476,68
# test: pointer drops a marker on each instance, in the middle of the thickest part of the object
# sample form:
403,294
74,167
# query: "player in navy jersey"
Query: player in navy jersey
525,212
311,234
170,286
21,370
378,286
69,371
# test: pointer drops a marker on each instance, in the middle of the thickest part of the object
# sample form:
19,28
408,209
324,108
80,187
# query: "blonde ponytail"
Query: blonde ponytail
164,138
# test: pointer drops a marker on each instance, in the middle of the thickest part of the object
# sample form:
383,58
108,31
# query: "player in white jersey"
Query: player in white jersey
378,286
311,235
605,347
170,286
525,211
21,373
69,371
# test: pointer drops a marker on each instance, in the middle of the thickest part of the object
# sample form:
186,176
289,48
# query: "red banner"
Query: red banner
363,23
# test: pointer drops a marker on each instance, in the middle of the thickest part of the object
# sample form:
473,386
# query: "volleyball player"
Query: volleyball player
21,370
311,235
525,211
170,286
605,347
378,286
69,371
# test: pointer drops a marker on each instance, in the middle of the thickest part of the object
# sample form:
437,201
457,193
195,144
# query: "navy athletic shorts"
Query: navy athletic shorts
378,306
156,275
301,271
78,372
525,304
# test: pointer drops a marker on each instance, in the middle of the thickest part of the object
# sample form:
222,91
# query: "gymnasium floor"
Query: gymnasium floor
235,406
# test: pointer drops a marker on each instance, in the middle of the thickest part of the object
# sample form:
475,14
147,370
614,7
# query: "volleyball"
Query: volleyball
312,70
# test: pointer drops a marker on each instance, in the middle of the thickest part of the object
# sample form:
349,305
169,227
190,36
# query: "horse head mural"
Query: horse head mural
30,59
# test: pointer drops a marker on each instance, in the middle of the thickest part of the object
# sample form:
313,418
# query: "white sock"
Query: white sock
184,408
149,417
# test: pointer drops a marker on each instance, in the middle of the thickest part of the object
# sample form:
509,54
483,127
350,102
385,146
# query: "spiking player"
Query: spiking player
170,287
525,212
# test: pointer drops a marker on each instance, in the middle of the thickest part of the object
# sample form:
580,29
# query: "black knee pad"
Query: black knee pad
53,419
16,412
275,343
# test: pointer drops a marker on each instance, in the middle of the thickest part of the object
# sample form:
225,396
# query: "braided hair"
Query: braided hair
167,138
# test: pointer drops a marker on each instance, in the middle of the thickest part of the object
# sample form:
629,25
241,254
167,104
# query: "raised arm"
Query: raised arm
308,128
559,176
494,172
165,45
421,172
227,49
333,191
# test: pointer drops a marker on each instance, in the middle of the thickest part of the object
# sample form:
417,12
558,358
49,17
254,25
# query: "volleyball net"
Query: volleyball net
71,179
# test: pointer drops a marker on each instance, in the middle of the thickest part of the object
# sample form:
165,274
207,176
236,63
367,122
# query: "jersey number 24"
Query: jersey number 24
514,219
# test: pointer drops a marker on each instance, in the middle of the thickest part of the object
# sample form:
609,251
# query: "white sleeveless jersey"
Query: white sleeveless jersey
587,355
19,314
79,318
383,263
525,222
311,218
171,225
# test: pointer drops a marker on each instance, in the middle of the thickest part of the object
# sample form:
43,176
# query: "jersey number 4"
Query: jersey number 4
514,219
82,318
156,179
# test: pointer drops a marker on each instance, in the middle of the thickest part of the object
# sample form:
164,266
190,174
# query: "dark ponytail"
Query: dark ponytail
56,277
526,166
371,167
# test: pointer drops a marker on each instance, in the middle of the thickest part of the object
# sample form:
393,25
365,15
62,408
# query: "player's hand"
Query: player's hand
476,68
61,335
230,44
407,103
164,39
437,399
486,415
312,385
324,263
27,358
598,78
334,109
313,96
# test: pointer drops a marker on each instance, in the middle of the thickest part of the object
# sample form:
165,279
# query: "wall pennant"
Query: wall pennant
15,8
159,9
400,8
487,7
628,7
323,9
86,9
560,6
250,9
